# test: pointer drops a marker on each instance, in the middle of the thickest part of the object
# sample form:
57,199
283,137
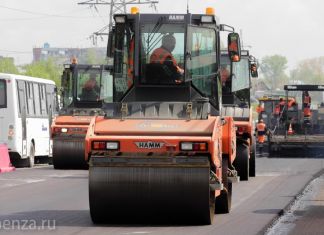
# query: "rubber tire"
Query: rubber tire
252,159
241,162
223,202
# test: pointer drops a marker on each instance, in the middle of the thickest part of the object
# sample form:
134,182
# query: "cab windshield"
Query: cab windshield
88,84
94,85
91,85
162,54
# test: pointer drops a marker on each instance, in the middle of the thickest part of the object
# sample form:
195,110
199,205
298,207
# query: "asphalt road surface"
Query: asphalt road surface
47,201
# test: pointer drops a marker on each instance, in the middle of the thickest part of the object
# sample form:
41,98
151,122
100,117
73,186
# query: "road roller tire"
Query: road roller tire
241,162
69,154
252,159
150,194
223,202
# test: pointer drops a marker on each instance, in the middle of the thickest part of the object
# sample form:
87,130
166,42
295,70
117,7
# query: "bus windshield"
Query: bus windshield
3,94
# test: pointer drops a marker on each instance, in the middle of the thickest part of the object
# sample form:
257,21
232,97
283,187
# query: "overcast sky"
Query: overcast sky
293,28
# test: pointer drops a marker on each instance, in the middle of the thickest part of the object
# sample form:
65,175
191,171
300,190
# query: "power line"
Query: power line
116,6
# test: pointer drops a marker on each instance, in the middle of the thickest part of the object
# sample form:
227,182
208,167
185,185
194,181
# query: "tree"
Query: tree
7,66
93,58
45,69
273,68
310,71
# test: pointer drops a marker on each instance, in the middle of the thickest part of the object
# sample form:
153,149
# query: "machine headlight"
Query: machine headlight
112,145
64,130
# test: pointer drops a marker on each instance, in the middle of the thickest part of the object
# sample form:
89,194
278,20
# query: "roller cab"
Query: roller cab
236,86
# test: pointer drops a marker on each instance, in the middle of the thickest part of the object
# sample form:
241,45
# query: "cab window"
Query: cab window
241,75
201,64
123,60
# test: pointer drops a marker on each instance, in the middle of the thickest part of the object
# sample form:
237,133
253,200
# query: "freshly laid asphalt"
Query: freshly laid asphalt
56,202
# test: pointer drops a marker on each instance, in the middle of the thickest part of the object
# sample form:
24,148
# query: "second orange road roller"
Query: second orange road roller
84,88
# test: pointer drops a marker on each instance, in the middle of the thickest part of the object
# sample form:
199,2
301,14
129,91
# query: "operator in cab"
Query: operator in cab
163,54
225,76
90,90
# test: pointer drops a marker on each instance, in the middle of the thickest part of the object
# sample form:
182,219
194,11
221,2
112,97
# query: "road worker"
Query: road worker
307,99
260,108
291,102
261,131
277,110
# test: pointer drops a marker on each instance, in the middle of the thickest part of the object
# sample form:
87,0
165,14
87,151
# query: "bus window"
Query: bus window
3,94
51,98
30,99
43,107
21,95
36,99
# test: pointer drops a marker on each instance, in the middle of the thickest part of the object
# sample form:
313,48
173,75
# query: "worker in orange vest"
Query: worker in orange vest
307,115
277,110
261,130
307,99
260,108
163,54
291,102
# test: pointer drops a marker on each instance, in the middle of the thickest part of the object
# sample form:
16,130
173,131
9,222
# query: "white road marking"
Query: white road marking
9,182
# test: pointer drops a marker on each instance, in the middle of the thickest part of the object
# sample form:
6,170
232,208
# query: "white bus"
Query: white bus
27,105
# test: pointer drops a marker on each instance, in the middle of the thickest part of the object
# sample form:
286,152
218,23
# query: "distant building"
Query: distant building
63,55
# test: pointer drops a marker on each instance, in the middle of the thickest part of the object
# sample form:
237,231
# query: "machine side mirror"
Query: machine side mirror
234,47
254,70
110,46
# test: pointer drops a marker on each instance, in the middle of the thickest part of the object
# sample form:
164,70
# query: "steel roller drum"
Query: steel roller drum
150,190
68,153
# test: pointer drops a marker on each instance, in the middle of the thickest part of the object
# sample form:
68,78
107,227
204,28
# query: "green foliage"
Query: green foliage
93,58
310,71
273,68
44,69
7,66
